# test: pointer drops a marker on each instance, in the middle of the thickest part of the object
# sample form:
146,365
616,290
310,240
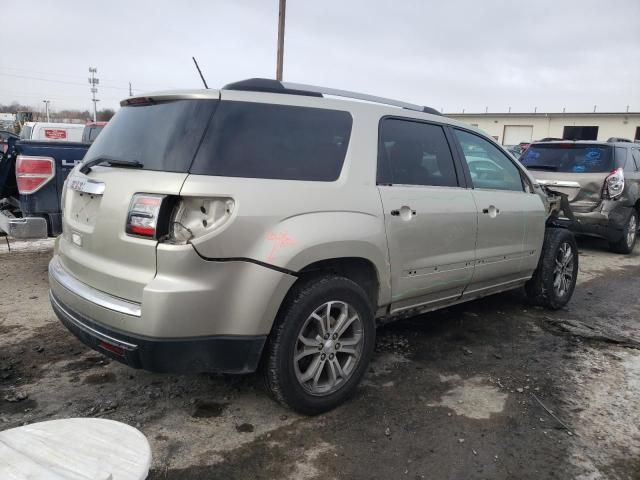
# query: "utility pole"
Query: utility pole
280,58
93,81
130,92
46,108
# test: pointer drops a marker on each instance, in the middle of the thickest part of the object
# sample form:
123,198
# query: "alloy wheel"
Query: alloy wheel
328,348
563,271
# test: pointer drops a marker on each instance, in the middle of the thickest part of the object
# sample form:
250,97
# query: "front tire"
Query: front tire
629,235
321,344
554,280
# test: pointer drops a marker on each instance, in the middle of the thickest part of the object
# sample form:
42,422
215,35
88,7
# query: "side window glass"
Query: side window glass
636,158
623,160
489,167
415,154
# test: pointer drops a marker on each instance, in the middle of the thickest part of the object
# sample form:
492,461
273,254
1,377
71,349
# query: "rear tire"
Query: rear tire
307,368
554,280
629,235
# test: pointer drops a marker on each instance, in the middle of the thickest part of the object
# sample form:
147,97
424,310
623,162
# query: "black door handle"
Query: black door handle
396,213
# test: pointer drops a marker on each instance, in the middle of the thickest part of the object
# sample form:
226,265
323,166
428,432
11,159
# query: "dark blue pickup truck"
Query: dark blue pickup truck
32,175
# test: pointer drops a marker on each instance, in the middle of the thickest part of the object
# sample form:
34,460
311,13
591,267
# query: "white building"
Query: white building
513,128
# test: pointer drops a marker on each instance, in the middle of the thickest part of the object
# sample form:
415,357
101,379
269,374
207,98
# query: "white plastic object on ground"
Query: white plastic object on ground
74,449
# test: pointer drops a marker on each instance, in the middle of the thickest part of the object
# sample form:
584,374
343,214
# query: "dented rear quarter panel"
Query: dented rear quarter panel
291,224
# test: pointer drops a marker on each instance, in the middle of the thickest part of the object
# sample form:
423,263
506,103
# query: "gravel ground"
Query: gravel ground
493,389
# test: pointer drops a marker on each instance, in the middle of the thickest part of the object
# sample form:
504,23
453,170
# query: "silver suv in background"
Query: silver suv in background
601,180
268,225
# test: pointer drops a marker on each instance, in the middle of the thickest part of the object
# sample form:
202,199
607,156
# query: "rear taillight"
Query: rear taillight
194,217
614,184
32,173
146,215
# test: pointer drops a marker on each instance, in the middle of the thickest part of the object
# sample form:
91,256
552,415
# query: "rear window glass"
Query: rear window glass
162,136
91,133
25,134
568,158
257,140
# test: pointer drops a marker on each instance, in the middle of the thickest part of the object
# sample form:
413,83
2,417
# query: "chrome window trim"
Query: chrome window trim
75,286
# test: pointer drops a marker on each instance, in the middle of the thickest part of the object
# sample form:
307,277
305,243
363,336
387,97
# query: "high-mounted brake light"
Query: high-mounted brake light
144,214
139,101
32,173
614,184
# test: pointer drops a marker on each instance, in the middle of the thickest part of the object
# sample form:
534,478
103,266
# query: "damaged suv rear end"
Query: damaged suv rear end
602,184
124,247
147,250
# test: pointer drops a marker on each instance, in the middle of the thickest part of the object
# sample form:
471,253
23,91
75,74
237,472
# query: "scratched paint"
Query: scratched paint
280,240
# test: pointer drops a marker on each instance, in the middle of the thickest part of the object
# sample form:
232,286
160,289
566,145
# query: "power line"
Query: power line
11,93
55,74
28,77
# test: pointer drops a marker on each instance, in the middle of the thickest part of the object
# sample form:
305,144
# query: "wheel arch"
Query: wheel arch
358,269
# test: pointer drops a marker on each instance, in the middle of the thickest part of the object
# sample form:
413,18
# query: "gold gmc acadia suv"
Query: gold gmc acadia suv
272,225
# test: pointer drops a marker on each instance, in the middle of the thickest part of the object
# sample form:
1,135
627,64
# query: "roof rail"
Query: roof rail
275,86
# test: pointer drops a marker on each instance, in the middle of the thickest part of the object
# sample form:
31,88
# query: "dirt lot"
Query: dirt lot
460,394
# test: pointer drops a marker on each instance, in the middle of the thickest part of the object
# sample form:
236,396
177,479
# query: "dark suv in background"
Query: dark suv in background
601,180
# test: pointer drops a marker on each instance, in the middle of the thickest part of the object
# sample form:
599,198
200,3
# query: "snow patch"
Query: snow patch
472,398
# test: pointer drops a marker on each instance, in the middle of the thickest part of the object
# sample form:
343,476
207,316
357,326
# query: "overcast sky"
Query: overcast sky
454,55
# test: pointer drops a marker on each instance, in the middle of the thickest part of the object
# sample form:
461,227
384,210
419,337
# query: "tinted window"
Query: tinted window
25,134
568,157
162,136
258,140
414,153
489,167
623,160
636,158
91,133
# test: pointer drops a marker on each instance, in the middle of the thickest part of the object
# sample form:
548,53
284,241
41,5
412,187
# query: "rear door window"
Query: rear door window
161,136
414,153
568,157
260,140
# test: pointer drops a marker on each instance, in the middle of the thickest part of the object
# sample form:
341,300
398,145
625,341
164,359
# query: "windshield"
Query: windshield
569,158
161,136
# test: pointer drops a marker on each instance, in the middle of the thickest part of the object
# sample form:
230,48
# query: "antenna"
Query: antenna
200,72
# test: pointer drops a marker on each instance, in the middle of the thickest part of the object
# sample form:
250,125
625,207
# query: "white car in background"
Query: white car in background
54,132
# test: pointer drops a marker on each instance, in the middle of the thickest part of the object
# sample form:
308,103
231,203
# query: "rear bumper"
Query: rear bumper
224,354
203,317
29,227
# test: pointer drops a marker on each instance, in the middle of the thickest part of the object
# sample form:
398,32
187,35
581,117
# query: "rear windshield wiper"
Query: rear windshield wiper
115,162
551,168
